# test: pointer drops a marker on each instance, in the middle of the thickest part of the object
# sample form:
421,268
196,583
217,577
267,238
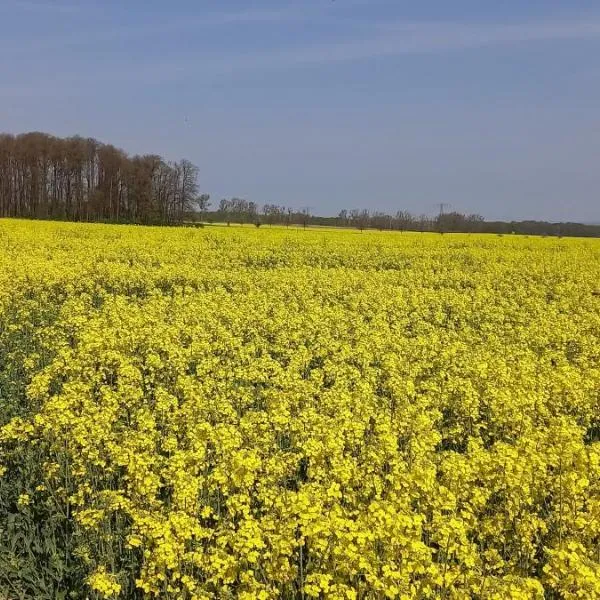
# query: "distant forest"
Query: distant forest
238,210
82,179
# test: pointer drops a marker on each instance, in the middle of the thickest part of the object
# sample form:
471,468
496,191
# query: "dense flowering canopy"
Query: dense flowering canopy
243,413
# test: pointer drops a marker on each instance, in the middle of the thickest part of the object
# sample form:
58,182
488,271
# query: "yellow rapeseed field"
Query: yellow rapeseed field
271,413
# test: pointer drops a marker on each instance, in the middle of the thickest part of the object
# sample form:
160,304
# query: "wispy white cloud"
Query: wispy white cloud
385,40
165,27
390,40
393,38
44,7
432,36
418,38
215,19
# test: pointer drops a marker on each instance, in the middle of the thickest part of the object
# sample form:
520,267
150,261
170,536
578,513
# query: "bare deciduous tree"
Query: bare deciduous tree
79,179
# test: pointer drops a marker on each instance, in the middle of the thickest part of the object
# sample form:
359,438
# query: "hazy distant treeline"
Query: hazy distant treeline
81,179
238,210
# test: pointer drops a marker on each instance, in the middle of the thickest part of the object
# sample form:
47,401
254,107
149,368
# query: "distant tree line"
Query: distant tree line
81,179
237,210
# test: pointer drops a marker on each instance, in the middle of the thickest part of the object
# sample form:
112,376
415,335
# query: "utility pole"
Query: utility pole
306,215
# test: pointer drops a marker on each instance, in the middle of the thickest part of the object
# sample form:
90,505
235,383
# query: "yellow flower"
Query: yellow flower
104,583
24,500
250,413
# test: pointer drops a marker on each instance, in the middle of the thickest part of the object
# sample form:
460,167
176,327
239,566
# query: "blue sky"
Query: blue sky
384,104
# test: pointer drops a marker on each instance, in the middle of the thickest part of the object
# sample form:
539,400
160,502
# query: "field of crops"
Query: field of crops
257,413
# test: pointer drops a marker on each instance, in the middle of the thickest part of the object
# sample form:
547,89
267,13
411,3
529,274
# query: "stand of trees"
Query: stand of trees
237,210
81,179
241,211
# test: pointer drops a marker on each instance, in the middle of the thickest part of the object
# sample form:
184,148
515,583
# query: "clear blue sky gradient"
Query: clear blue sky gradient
384,104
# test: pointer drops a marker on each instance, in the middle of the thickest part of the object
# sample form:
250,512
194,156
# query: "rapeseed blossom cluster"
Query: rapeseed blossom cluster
236,413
